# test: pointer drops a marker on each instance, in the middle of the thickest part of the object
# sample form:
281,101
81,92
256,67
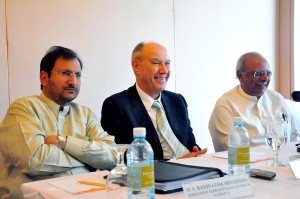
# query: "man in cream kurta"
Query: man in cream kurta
256,113
29,143
252,101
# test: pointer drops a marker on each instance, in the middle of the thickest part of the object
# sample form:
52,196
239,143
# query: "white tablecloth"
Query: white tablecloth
283,186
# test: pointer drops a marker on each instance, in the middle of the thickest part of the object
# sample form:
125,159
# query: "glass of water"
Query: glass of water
116,182
275,138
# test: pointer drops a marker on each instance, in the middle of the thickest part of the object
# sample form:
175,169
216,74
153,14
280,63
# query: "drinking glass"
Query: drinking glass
116,182
275,138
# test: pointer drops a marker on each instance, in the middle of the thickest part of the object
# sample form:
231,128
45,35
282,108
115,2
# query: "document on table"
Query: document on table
170,176
254,156
75,187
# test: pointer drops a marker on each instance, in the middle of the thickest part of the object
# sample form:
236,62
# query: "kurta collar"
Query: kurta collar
53,106
245,95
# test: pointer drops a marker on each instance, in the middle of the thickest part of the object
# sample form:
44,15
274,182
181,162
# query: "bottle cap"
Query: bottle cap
139,132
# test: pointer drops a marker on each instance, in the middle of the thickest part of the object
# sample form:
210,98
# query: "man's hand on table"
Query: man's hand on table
196,152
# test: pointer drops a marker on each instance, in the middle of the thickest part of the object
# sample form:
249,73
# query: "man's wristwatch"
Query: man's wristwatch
61,142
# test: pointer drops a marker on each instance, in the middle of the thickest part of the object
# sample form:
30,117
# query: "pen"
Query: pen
92,183
284,117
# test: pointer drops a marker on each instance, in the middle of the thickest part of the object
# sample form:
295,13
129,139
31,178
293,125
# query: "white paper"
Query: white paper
254,156
295,167
73,186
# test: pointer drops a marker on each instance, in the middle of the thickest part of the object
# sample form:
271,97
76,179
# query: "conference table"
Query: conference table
283,186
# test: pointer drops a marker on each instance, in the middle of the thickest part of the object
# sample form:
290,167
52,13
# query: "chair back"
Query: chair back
296,96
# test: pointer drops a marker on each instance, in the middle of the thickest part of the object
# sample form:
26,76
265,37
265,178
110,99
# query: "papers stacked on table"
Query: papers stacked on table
170,176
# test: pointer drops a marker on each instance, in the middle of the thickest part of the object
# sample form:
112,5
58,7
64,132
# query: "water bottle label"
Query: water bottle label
238,155
140,177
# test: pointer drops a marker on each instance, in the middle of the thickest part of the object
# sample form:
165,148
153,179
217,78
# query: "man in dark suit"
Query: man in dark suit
131,108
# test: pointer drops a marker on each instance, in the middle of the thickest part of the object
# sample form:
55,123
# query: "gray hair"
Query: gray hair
137,51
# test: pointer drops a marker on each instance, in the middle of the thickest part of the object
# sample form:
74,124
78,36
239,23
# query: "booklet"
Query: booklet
170,176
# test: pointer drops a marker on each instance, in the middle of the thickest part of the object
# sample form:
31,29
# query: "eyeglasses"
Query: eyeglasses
68,75
261,73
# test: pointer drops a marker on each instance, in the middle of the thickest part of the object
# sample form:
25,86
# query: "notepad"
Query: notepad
73,185
254,156
170,176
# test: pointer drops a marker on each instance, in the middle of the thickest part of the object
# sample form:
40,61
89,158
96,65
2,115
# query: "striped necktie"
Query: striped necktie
164,128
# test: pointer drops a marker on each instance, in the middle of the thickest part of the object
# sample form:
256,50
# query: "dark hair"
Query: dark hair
52,54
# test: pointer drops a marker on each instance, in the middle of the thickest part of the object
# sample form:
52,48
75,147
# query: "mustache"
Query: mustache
71,87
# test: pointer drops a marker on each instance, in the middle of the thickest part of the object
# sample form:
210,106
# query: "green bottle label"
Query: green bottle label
238,155
140,177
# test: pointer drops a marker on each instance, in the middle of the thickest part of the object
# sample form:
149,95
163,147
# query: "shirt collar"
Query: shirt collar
52,105
146,99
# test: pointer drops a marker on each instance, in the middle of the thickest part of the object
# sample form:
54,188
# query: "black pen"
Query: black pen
284,118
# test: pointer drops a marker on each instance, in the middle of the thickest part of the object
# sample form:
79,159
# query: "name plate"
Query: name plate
225,187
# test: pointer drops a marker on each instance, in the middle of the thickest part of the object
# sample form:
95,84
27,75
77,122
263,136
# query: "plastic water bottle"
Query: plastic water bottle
238,149
140,176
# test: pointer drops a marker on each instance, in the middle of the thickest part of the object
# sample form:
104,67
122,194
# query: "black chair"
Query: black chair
296,96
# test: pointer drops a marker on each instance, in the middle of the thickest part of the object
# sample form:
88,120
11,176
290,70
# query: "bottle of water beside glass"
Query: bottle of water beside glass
238,149
140,177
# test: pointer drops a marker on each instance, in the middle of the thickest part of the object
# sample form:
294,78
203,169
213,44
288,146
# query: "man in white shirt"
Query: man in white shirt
252,101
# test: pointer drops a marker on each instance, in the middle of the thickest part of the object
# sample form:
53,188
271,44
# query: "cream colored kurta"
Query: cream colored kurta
256,113
25,156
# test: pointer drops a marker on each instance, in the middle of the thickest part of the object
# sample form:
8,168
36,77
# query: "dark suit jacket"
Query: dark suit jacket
123,111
